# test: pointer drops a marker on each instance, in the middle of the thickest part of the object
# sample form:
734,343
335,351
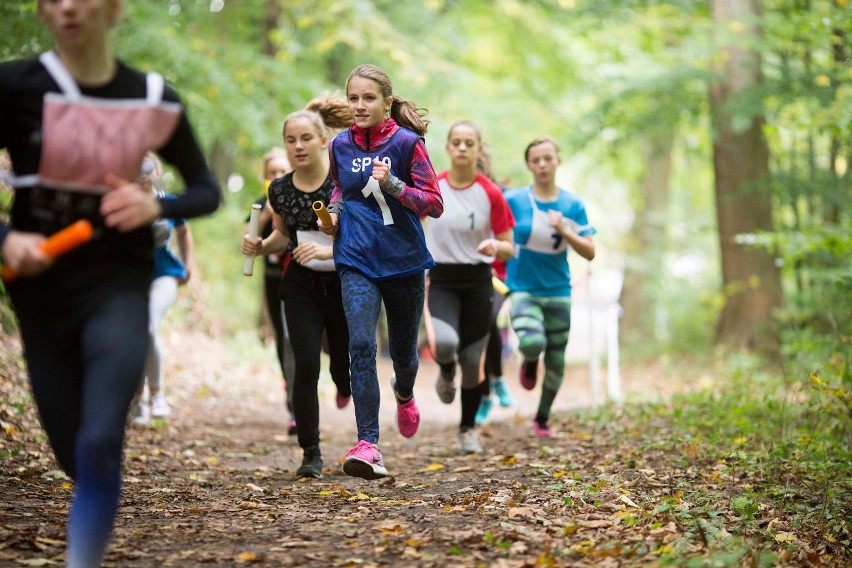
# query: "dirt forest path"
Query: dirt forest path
214,485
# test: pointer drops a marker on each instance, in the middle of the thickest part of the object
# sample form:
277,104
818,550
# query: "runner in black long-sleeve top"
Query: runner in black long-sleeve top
77,124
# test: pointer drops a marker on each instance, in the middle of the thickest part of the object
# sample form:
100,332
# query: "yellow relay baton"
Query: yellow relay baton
322,213
499,286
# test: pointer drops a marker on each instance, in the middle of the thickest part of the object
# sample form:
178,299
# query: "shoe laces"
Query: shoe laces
361,447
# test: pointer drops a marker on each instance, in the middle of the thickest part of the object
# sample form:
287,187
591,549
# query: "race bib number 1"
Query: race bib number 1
372,188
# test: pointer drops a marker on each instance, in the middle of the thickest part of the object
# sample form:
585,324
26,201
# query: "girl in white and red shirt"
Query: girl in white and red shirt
476,228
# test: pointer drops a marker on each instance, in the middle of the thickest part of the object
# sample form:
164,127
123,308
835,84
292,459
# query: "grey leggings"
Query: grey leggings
459,313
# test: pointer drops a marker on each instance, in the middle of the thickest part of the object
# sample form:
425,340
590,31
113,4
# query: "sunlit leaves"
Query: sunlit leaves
21,33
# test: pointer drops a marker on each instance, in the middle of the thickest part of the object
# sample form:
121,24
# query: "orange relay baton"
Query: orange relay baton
322,212
59,243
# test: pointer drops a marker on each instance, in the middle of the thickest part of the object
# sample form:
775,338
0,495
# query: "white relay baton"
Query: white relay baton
254,228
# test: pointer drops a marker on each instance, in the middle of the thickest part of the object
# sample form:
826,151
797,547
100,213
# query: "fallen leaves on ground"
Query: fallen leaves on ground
221,491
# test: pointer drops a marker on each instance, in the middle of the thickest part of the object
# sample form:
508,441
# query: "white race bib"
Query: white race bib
543,237
321,239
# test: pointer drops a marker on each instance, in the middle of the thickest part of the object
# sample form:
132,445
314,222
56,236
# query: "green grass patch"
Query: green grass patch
757,465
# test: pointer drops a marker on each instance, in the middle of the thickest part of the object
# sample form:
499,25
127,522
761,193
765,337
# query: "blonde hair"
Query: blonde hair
483,161
536,142
151,171
324,112
274,153
404,112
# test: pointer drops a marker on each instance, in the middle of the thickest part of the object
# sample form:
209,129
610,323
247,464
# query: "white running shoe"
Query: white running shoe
159,406
469,441
140,410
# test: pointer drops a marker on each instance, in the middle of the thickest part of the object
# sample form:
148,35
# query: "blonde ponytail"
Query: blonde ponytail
324,112
333,110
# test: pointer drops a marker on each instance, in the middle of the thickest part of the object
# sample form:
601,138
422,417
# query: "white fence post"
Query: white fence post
603,289
594,358
613,371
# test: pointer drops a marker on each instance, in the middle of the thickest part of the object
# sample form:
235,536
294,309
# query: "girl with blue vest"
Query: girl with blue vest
77,123
169,273
550,222
384,183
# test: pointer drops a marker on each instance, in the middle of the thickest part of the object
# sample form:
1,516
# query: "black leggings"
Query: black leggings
85,353
314,304
84,363
283,349
273,308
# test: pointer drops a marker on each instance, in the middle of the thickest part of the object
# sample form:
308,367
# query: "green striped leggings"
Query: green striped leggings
542,326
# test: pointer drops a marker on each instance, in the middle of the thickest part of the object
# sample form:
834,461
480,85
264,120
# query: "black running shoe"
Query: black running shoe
311,465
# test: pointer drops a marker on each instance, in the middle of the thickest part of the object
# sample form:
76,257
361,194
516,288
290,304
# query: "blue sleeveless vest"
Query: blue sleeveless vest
377,235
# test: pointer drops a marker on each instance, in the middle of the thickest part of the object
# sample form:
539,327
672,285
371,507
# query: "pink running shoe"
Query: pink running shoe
543,431
529,370
407,413
364,461
407,417
342,401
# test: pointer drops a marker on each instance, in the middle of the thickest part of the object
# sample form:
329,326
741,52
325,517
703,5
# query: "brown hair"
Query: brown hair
536,142
404,112
483,161
324,112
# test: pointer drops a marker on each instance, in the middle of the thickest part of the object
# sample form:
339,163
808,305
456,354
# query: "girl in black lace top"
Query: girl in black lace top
310,287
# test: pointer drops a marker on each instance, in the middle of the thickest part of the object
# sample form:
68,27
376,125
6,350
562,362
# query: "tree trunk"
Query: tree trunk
222,159
271,19
751,281
832,210
647,246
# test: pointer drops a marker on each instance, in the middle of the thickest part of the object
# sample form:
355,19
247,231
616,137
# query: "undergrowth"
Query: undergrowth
763,460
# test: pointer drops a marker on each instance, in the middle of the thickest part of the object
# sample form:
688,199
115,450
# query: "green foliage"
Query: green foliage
602,77
758,446
814,325
809,125
21,34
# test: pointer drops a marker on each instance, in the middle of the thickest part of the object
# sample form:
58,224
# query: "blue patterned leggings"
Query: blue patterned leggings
362,300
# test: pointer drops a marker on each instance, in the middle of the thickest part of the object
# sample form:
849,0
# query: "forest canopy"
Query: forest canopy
653,104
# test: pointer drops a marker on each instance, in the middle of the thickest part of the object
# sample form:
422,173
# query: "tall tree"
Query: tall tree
641,279
841,56
271,19
751,281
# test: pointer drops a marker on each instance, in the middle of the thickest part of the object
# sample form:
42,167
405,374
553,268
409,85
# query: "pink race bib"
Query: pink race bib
85,138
